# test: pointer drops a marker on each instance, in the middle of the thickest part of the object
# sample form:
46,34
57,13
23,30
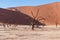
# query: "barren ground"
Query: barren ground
25,33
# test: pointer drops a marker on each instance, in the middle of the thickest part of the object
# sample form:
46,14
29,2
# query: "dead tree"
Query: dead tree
6,25
56,23
36,19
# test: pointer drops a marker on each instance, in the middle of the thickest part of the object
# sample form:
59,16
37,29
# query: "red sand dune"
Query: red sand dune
51,12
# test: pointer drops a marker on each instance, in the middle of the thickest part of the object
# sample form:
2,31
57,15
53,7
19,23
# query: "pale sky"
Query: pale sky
14,3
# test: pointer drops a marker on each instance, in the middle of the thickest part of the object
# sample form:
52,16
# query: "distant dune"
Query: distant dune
50,12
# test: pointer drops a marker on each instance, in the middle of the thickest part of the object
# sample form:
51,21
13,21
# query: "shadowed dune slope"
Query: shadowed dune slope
14,17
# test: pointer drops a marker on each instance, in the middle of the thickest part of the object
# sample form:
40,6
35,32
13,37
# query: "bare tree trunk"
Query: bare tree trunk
4,25
32,24
56,25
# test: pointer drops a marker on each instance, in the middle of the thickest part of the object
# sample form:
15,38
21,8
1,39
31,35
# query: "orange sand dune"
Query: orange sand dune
50,12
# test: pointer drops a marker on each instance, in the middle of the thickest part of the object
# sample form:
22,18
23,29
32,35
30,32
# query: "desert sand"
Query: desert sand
26,33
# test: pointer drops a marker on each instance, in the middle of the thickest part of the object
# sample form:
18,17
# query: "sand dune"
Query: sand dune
51,12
